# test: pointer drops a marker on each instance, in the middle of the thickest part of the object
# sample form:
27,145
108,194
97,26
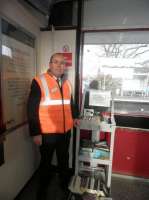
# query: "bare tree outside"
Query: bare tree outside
121,68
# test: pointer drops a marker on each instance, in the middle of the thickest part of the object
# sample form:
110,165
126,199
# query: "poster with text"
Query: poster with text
18,68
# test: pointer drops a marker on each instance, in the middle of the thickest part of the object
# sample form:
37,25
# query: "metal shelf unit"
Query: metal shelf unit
96,122
94,162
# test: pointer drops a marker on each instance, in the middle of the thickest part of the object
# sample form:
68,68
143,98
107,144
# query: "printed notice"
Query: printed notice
99,98
18,68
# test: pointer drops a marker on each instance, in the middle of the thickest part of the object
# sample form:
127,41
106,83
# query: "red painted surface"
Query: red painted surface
131,152
68,58
86,134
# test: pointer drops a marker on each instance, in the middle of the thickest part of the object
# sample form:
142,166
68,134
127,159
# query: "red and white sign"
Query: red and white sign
68,59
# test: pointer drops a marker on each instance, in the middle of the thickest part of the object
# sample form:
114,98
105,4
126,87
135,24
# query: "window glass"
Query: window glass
121,68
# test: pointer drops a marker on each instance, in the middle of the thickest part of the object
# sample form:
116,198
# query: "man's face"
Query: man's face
57,66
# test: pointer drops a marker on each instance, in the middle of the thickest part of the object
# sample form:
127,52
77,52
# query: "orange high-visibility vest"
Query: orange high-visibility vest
55,114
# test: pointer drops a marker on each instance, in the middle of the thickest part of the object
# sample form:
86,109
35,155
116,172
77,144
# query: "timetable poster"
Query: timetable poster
18,68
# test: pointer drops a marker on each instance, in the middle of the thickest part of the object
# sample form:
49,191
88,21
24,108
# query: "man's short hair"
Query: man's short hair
55,54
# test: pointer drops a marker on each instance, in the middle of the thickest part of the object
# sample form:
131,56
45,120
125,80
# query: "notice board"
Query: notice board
17,71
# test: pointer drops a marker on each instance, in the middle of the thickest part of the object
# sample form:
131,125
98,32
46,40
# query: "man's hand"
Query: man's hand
76,122
37,139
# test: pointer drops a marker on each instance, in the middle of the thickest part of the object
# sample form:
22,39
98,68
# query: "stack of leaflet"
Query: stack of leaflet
96,151
104,149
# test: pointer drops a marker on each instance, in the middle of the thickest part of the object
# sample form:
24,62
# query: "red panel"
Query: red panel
131,151
86,134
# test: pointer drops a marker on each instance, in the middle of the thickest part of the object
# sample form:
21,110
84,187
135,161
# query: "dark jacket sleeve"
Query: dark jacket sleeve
75,112
33,109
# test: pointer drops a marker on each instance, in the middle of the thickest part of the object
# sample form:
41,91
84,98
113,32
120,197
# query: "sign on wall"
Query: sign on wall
18,68
68,59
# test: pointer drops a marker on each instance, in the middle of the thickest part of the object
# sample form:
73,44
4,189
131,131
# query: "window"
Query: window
117,63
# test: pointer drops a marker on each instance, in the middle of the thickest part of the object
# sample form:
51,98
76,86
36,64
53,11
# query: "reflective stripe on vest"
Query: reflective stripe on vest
45,86
48,101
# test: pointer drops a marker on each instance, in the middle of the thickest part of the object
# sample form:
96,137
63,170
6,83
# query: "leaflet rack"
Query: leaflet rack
93,166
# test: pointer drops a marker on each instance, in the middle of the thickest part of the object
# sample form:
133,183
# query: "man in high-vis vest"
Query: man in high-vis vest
51,119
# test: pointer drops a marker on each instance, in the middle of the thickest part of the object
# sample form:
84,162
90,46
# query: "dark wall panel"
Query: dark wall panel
1,154
62,14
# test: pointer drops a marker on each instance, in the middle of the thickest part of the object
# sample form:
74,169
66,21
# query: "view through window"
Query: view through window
121,68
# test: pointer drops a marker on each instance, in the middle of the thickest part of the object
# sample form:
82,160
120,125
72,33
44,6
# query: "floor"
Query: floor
122,188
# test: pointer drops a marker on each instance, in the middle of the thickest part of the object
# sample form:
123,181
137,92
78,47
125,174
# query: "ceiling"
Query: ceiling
44,10
42,6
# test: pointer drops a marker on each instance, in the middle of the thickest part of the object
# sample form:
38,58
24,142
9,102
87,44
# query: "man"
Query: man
50,120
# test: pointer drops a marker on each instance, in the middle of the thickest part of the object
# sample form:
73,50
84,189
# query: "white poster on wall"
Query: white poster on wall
18,68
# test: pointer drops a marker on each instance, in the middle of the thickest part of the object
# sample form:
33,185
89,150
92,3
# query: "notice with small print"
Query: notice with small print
99,98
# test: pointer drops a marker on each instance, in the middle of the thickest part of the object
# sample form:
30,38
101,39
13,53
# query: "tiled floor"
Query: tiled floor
122,188
129,188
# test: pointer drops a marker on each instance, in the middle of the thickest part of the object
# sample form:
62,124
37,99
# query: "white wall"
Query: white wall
110,14
46,47
20,163
21,156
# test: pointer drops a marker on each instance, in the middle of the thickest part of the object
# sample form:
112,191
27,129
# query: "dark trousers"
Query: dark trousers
51,143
